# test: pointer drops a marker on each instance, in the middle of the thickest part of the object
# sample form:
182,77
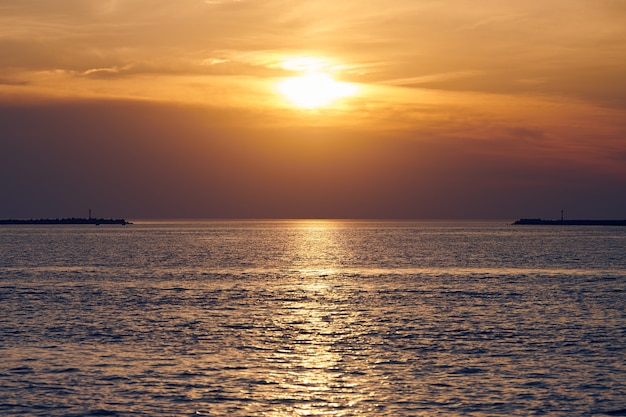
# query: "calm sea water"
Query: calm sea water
312,318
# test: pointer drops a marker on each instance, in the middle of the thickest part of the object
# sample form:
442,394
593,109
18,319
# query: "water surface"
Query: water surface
324,318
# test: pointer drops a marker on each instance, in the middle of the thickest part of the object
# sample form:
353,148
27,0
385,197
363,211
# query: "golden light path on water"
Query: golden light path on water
314,357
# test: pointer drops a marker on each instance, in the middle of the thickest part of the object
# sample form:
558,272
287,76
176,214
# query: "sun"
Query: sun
313,89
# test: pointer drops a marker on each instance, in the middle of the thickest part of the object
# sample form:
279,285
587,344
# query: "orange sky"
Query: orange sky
438,109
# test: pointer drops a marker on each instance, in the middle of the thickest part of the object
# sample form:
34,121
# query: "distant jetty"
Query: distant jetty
541,222
72,220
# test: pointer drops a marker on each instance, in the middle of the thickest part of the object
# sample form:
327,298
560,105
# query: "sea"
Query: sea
312,318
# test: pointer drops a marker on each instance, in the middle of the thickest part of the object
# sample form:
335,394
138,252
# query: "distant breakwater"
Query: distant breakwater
68,221
542,222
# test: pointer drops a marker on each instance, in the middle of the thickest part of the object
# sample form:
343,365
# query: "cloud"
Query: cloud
105,72
13,82
214,2
407,40
496,20
430,78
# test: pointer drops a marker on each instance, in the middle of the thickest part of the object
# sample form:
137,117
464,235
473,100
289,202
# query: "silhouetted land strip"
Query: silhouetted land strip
542,222
72,220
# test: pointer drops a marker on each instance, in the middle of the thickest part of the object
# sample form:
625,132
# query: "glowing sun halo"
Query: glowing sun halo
314,89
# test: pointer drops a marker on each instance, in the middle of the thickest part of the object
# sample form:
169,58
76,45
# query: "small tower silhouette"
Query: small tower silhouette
89,214
561,215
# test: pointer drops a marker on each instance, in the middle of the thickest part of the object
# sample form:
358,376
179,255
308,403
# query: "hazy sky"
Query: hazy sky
426,109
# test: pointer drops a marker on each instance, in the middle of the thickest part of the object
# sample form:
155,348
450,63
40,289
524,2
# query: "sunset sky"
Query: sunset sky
429,109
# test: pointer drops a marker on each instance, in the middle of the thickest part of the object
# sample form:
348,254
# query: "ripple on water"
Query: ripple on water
256,320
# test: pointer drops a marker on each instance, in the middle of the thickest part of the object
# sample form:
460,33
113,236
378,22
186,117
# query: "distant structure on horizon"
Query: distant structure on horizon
72,220
562,222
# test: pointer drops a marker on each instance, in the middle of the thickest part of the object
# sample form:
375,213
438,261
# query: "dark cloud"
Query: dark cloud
143,160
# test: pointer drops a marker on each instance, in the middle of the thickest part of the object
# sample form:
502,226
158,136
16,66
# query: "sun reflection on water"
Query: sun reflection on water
319,247
314,379
316,322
